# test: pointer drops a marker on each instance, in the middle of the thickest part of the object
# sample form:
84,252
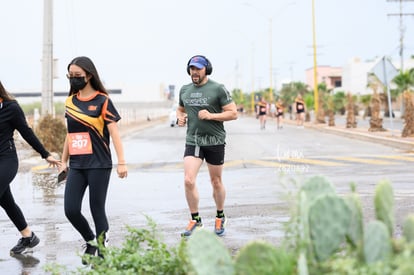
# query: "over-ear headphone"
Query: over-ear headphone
209,67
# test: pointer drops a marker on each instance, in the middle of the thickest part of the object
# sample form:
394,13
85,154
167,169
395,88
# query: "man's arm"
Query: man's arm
181,116
229,113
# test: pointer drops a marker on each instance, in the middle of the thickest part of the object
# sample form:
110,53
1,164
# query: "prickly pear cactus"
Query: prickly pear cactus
302,264
304,242
384,204
259,257
317,186
355,232
329,219
312,188
303,217
408,228
208,255
377,242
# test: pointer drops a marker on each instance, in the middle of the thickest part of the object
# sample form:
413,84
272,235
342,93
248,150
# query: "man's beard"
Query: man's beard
197,79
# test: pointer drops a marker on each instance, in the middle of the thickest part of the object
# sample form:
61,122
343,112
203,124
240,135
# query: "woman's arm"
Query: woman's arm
65,155
116,139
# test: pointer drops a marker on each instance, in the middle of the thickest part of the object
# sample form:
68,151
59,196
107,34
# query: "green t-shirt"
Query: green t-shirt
212,96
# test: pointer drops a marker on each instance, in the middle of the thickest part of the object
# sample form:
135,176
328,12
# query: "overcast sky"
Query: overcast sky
137,43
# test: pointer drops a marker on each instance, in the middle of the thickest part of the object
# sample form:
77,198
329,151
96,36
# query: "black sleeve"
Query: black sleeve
20,123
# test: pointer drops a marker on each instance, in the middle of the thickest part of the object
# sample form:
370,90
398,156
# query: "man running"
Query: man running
204,105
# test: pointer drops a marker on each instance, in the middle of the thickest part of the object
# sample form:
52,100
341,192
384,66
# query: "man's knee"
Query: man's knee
189,182
216,182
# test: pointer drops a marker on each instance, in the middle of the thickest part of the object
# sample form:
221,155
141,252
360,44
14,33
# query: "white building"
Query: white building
355,72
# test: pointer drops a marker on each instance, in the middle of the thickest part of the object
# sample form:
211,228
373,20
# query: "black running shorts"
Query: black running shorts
213,154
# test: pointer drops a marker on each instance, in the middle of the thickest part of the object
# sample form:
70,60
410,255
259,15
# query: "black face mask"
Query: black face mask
77,83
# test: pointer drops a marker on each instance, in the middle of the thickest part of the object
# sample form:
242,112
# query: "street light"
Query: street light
315,72
47,59
270,42
270,61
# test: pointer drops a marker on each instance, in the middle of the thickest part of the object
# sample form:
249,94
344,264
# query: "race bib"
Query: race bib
279,110
79,143
300,107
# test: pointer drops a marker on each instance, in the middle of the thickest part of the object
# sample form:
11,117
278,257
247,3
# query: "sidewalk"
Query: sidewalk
390,138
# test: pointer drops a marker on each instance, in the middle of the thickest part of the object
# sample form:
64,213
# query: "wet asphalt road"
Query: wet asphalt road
261,166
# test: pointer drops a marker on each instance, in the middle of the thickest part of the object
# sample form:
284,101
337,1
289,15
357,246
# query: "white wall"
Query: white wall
354,76
355,72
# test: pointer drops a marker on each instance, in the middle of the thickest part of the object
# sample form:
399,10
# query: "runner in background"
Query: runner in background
13,118
300,110
262,112
279,114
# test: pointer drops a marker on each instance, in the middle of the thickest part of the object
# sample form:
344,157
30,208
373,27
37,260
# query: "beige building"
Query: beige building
331,76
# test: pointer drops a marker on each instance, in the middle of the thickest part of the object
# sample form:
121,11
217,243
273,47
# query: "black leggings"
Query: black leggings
8,168
77,182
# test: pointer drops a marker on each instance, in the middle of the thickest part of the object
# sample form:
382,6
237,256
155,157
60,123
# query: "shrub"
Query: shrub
51,132
143,252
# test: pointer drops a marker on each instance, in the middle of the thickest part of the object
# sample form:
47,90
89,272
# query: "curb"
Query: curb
396,141
387,141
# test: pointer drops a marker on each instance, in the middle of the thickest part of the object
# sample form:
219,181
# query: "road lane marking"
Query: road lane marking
368,161
314,161
268,163
282,163
407,158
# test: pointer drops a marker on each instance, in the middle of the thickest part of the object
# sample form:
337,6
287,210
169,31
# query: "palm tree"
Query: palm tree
412,75
366,100
338,102
374,84
350,108
404,81
309,103
409,117
374,105
331,111
320,116
405,84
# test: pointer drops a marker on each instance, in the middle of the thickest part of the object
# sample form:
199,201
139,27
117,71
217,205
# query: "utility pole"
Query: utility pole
315,68
275,73
270,61
270,41
402,29
252,72
47,58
